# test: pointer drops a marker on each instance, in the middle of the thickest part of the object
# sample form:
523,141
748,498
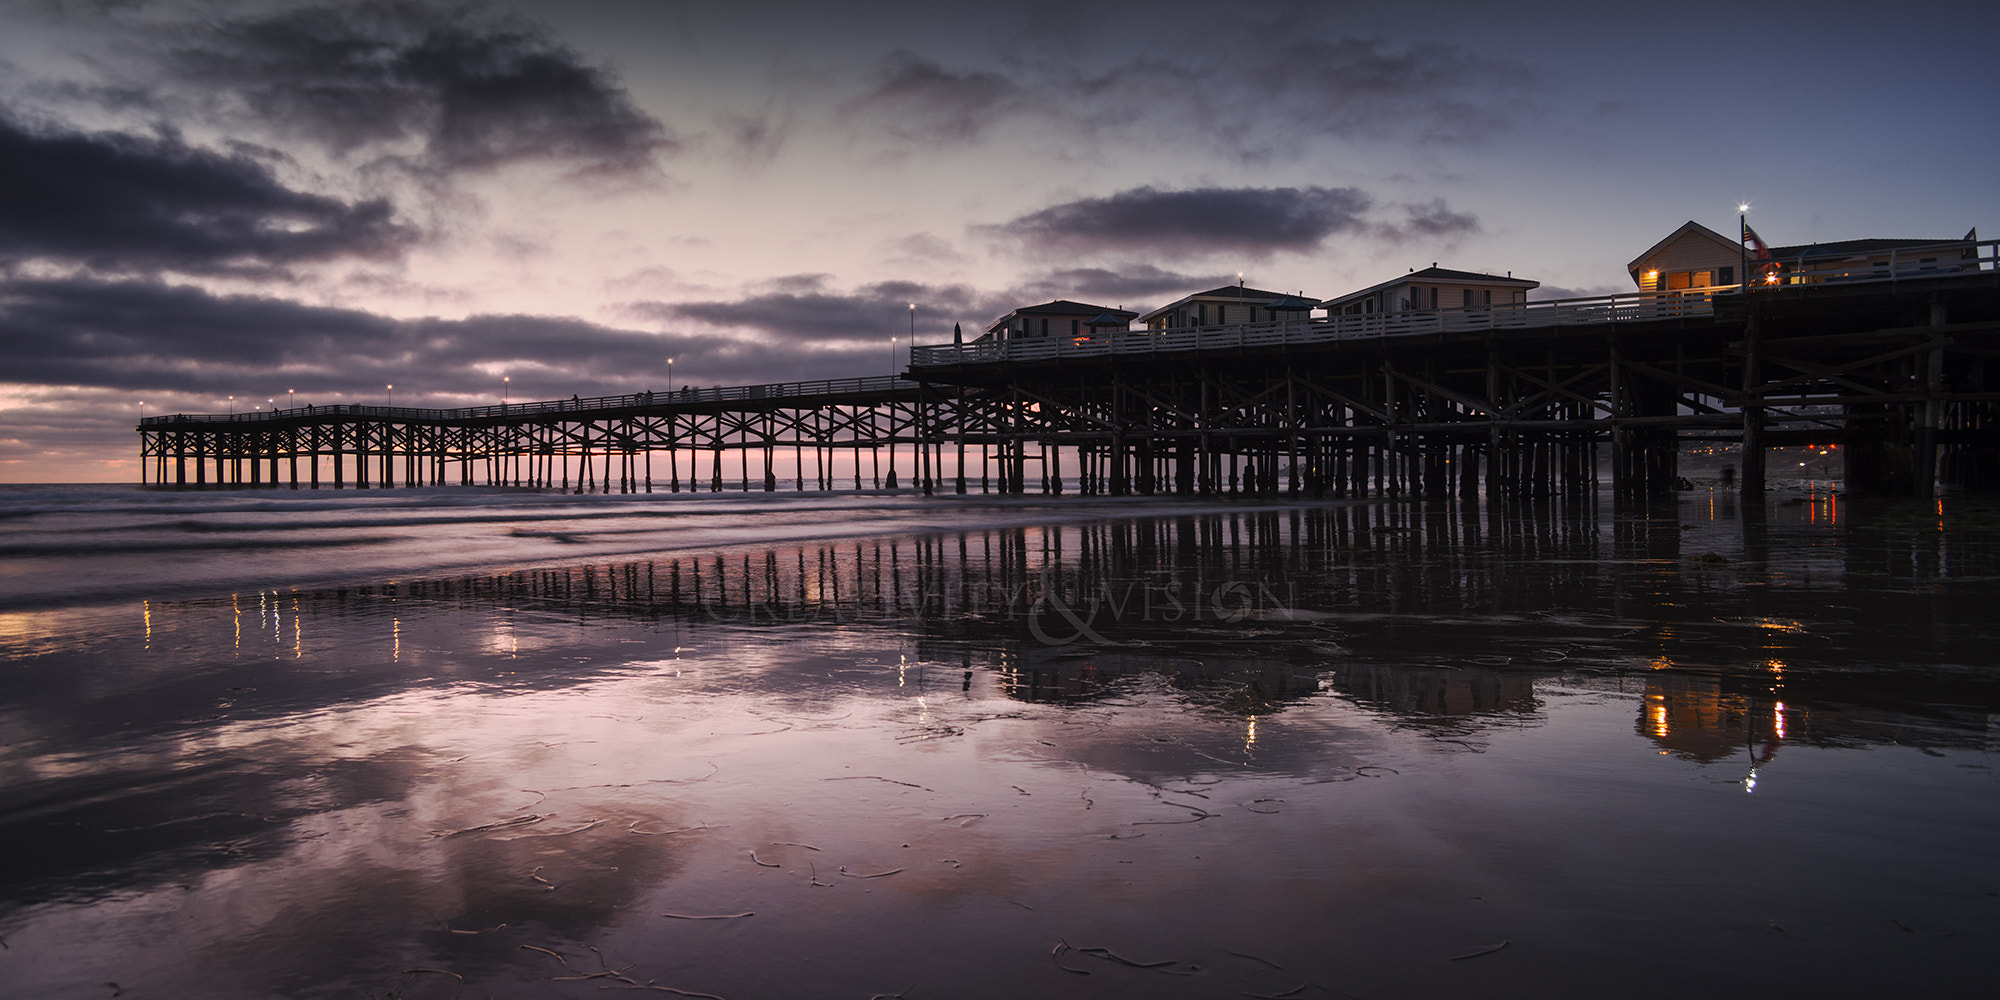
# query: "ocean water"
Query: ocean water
471,743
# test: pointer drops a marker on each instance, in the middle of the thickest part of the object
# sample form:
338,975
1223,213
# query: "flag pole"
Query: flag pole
1742,247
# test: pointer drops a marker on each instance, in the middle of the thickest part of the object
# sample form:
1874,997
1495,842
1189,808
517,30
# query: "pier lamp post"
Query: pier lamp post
142,411
291,399
670,374
506,388
232,406
392,393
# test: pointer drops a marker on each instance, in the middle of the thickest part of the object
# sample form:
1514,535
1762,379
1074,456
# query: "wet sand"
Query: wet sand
1369,750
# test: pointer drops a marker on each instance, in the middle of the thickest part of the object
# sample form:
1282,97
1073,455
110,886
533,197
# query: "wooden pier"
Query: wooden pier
1531,399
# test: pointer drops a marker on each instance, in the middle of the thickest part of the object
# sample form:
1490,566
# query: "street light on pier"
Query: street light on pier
291,399
232,406
506,387
142,411
670,374
392,393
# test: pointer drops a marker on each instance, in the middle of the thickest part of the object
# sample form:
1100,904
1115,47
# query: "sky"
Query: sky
236,205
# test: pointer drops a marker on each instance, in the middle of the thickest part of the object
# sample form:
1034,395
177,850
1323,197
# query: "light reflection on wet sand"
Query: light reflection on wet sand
1336,747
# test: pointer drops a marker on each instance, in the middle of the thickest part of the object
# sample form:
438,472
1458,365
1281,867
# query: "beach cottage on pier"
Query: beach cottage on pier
1061,318
1227,306
1432,289
1695,256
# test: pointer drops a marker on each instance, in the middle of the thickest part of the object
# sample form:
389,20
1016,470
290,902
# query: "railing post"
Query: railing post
1753,411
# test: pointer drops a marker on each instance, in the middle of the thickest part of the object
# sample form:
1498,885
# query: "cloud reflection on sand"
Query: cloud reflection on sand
1393,735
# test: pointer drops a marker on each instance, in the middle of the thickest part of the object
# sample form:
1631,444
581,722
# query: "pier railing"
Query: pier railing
686,396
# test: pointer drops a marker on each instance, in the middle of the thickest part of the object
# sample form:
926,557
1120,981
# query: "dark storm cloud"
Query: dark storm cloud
916,98
1245,221
1253,85
1433,221
753,140
121,203
1133,283
801,308
471,92
1346,86
154,336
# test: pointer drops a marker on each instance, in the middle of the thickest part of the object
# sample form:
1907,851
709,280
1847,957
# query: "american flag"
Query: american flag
1751,239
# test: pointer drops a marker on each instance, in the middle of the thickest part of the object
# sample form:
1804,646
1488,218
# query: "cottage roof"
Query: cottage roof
1850,248
1063,307
1690,227
1226,293
1291,303
1440,276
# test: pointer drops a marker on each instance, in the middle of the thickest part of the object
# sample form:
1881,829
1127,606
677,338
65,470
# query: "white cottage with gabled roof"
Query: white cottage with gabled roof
1061,318
1432,289
1693,256
1227,306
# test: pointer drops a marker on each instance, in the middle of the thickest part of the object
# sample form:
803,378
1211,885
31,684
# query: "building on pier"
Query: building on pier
1431,289
1061,318
1226,306
1695,256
